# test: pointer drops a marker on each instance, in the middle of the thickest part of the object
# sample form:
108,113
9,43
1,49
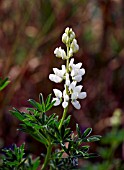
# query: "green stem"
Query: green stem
47,157
63,117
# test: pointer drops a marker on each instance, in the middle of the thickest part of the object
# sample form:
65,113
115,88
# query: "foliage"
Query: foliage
3,83
16,159
46,130
111,142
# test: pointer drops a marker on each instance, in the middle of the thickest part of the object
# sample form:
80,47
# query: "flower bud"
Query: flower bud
74,46
72,35
67,30
65,38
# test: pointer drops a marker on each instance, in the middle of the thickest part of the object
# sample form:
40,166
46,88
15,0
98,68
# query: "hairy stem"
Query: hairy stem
47,157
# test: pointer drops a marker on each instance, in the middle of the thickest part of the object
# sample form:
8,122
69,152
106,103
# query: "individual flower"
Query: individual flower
58,97
74,46
60,53
58,75
76,94
76,71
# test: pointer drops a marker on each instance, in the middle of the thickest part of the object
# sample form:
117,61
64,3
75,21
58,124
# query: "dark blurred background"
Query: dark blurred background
29,32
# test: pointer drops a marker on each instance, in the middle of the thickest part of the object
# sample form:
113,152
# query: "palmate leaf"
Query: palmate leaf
3,83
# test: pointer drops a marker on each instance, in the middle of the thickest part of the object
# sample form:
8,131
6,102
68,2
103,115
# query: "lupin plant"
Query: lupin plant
63,147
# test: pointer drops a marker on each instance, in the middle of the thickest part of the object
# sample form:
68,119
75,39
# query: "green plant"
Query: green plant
52,131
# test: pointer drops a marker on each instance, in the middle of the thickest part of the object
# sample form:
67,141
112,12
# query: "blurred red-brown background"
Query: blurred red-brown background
30,31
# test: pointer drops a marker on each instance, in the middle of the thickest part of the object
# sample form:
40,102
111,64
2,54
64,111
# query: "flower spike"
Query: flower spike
71,73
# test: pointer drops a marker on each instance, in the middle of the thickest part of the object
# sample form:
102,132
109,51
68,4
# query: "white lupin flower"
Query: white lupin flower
74,66
60,53
72,75
58,96
59,74
76,71
55,78
74,46
76,93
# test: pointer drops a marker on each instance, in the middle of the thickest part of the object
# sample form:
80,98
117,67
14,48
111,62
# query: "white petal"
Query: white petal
65,38
72,35
71,62
74,95
60,53
55,78
77,78
78,88
82,71
78,65
70,52
57,52
63,69
74,72
82,95
57,101
72,85
57,93
66,97
63,54
74,46
67,30
67,82
58,72
76,104
64,104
